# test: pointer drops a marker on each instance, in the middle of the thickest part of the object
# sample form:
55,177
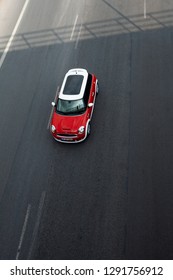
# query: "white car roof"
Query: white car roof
74,83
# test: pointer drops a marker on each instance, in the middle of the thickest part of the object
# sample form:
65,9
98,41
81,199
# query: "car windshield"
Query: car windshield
70,107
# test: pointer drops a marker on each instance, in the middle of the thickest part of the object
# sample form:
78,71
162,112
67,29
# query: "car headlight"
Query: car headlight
81,129
53,128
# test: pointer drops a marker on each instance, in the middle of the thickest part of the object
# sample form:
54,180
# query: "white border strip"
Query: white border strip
145,9
74,26
78,36
51,113
37,223
23,231
13,33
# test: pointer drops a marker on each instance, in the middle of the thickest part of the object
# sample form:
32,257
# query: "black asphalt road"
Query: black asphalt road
109,197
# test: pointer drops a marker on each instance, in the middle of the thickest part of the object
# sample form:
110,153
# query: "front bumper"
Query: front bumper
68,139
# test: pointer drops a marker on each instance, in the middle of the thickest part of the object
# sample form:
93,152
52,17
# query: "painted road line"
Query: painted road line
64,12
23,231
74,26
51,113
145,9
13,33
78,37
37,223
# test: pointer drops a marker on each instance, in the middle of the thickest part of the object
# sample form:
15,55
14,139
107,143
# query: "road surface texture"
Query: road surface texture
109,197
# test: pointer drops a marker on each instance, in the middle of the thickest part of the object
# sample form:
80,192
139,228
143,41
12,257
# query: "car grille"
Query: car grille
66,135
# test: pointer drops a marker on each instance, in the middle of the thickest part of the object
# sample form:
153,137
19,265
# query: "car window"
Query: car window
87,89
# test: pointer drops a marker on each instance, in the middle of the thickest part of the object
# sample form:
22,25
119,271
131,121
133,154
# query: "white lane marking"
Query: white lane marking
23,231
37,223
74,26
65,8
145,9
78,37
51,113
13,33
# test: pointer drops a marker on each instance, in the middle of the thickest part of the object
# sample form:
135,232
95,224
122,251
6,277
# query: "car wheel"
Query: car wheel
97,88
88,129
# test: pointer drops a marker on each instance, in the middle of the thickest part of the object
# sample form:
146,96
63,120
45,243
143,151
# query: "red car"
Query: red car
73,110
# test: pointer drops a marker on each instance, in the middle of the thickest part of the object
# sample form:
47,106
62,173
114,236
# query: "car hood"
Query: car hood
68,123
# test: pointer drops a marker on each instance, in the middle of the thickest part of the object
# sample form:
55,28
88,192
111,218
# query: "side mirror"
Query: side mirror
90,105
53,104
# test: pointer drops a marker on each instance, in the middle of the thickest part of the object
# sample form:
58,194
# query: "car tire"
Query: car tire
88,129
